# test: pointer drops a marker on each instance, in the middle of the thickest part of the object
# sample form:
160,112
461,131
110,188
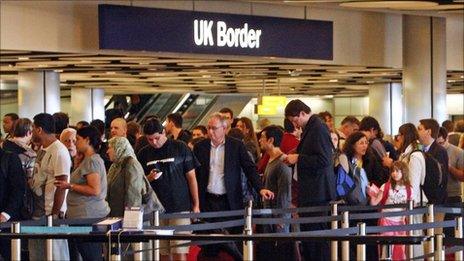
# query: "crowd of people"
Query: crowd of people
97,170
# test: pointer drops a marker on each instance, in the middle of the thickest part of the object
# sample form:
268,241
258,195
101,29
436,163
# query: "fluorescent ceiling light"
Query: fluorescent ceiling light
389,4
439,7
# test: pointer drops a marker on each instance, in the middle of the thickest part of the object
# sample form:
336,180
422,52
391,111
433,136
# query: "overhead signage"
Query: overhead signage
164,30
230,37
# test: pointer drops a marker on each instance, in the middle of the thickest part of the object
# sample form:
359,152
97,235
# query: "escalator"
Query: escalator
192,107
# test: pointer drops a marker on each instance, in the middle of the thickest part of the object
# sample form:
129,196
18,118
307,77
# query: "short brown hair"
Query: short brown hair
295,107
22,127
431,124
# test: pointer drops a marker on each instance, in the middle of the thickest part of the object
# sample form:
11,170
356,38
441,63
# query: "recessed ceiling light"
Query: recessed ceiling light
333,80
110,72
328,96
462,77
58,71
369,82
23,58
389,4
451,80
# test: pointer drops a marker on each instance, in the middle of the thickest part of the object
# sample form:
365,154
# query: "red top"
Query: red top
289,143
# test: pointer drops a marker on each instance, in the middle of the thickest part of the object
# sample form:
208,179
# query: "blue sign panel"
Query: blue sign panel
163,30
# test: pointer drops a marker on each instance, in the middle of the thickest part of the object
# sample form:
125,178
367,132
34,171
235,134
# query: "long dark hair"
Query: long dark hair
93,134
348,147
404,168
410,135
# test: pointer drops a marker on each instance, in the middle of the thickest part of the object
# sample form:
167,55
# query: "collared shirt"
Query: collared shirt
216,183
426,148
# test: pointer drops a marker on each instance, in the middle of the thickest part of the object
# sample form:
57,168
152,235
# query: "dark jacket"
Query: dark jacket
440,154
12,184
236,158
375,171
316,178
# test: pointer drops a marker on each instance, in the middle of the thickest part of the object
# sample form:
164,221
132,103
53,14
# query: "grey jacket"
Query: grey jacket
125,186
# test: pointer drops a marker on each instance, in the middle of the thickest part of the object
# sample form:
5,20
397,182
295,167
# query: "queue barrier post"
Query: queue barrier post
49,242
410,252
361,248
138,249
16,243
458,256
334,244
115,251
345,244
430,232
439,253
248,230
156,243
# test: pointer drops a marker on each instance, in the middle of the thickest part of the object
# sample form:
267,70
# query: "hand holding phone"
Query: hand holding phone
154,175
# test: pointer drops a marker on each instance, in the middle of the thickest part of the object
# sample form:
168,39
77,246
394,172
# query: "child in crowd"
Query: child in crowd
397,190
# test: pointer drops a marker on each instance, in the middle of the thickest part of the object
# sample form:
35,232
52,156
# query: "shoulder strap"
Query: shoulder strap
408,192
343,159
386,188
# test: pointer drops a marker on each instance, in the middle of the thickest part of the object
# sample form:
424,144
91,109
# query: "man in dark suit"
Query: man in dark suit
12,188
221,161
314,168
428,133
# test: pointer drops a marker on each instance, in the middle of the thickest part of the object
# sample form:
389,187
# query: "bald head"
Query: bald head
118,127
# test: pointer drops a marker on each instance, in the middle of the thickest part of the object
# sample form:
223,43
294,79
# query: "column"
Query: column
38,92
424,68
87,104
385,104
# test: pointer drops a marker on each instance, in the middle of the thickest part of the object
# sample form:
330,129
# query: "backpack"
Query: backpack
434,186
345,183
349,183
386,188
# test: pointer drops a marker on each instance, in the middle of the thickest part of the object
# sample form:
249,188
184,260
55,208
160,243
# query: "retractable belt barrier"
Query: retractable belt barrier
240,213
81,228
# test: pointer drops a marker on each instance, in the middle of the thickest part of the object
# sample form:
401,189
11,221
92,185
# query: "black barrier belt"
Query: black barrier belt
131,237
421,226
301,220
453,241
90,221
449,250
449,210
202,226
375,215
215,214
268,211
369,208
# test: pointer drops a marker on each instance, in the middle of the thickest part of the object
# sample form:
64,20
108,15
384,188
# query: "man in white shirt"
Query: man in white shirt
55,165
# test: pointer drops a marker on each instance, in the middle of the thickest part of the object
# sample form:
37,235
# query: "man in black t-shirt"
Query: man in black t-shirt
170,168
